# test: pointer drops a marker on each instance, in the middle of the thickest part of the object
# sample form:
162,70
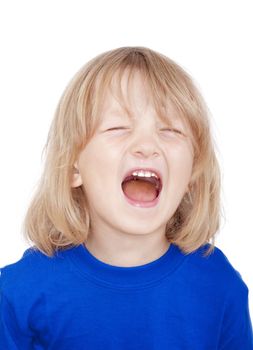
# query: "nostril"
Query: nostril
145,153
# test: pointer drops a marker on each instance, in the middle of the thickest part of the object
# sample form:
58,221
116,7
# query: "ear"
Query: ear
76,177
188,189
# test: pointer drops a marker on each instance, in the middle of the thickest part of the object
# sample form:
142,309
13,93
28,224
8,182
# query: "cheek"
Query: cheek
181,162
96,166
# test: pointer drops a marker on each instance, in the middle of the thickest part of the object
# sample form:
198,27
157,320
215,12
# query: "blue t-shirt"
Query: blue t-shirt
75,301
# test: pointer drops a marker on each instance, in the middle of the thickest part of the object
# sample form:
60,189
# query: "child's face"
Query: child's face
138,143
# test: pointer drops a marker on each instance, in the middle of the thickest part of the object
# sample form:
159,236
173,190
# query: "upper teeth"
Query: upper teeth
144,173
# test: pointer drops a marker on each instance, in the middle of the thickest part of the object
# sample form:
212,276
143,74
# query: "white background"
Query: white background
43,43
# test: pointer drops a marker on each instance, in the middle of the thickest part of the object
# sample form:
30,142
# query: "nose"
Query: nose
145,146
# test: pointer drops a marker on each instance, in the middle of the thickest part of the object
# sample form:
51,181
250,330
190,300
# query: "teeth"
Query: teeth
143,173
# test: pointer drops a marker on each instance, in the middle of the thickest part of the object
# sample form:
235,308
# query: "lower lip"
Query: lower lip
143,204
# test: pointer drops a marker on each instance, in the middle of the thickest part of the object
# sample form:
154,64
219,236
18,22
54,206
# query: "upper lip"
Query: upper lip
152,170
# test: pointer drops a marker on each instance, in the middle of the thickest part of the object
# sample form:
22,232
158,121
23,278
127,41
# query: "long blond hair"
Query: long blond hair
58,215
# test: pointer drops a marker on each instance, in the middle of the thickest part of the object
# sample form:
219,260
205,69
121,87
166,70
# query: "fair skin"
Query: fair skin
123,234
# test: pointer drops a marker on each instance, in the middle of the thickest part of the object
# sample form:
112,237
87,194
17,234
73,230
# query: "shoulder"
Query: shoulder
27,285
32,272
216,268
30,268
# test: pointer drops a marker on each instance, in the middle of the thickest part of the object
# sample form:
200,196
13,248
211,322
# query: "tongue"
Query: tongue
140,190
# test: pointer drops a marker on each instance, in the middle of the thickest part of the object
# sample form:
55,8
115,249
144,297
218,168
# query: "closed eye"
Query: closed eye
117,128
173,130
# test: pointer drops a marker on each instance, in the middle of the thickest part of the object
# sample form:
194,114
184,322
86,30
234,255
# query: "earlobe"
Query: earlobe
76,180
76,177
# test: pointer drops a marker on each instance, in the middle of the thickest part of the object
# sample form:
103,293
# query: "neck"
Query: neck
131,250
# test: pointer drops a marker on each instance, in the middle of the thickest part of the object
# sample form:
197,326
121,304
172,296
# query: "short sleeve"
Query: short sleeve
11,337
236,331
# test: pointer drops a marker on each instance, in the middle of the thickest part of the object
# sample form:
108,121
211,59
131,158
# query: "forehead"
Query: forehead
130,94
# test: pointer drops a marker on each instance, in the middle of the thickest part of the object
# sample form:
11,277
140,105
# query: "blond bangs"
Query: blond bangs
58,215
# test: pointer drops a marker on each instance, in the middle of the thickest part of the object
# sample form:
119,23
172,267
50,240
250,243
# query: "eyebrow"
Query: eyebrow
120,112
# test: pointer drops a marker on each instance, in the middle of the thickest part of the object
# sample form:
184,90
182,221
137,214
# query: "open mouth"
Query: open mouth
142,188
